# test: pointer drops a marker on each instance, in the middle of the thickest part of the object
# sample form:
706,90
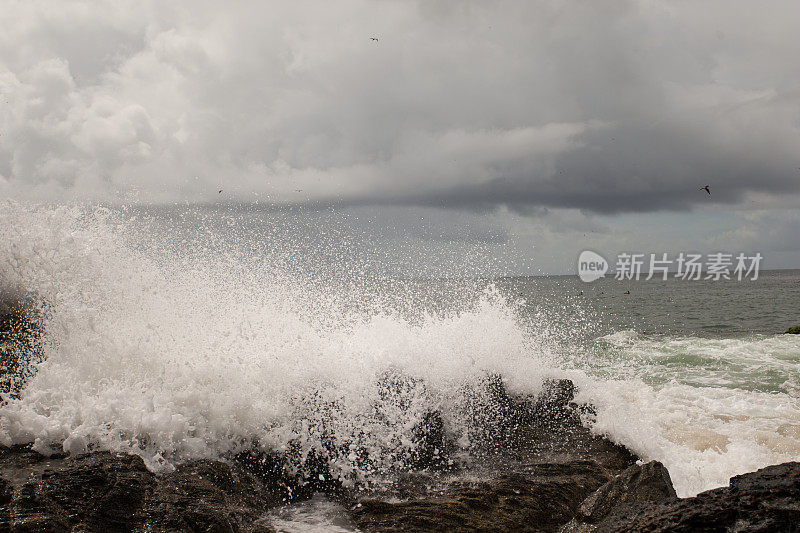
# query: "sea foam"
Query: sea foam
707,408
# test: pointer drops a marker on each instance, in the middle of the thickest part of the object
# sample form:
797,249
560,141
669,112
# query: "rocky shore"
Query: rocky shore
554,476
536,468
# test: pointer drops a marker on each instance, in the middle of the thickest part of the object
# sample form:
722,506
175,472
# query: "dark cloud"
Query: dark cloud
609,106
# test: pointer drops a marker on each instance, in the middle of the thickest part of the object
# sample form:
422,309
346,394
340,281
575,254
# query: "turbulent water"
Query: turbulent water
184,333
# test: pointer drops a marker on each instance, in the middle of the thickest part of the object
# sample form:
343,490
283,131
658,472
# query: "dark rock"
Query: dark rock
111,492
795,330
431,445
287,475
554,406
649,482
764,501
497,419
206,496
493,416
551,474
398,389
540,464
539,498
397,392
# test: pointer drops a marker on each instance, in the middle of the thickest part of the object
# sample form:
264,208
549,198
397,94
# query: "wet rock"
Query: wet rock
764,501
554,406
110,492
556,396
207,496
537,498
493,416
289,476
649,482
793,330
550,474
498,420
540,465
431,445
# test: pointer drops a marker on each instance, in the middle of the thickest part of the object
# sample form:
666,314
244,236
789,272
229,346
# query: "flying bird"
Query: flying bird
706,189
373,39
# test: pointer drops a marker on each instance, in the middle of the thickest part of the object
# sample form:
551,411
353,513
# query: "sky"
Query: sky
530,130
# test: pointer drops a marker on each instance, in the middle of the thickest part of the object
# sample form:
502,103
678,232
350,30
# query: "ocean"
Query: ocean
180,333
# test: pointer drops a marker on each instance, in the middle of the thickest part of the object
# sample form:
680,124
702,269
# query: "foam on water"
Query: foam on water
767,363
707,408
317,515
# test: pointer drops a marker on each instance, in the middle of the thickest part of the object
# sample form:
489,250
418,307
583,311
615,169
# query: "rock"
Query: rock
554,406
493,416
498,420
550,474
431,446
537,498
207,496
556,395
793,330
539,465
764,501
649,482
308,475
110,492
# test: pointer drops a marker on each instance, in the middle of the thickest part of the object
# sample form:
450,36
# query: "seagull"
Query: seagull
373,39
706,189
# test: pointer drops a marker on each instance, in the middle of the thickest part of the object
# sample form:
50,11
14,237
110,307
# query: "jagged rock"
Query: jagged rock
398,392
208,496
431,443
537,498
498,419
493,416
110,492
767,500
548,464
554,405
557,476
649,482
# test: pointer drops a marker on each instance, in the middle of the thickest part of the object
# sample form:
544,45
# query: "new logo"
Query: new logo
591,266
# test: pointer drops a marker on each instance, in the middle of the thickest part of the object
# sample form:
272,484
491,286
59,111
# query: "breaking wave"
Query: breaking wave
205,352
173,342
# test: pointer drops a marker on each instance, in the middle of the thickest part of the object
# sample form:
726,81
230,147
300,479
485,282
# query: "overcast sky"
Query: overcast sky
538,128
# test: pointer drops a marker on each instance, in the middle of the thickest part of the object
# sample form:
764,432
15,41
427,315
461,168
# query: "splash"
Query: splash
182,352
180,336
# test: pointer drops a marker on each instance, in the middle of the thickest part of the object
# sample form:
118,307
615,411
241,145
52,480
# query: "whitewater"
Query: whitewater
178,337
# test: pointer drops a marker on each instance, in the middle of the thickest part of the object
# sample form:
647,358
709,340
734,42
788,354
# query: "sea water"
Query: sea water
184,332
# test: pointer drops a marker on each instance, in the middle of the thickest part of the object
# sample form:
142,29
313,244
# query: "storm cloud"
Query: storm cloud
609,106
